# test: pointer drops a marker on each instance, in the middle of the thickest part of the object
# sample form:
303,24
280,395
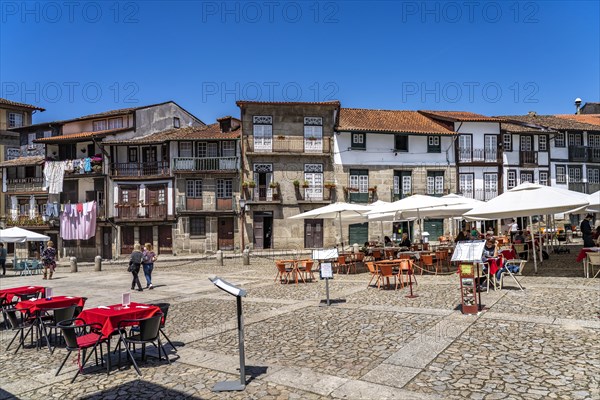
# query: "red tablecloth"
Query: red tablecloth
9,293
43,304
110,317
495,264
582,253
509,254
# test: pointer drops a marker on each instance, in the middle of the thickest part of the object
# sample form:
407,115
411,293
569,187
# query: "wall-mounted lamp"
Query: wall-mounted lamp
83,150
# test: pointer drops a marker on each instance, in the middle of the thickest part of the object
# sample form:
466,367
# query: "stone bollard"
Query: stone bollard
98,263
246,257
219,258
73,261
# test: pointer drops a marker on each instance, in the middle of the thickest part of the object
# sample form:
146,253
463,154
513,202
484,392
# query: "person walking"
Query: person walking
586,230
513,228
49,260
3,258
148,258
135,261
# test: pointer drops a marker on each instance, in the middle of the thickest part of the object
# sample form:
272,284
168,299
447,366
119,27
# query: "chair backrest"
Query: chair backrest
29,296
281,267
69,332
405,265
389,253
164,308
359,256
149,327
386,270
593,257
12,318
441,255
371,267
308,265
341,259
404,256
519,248
376,254
63,314
427,259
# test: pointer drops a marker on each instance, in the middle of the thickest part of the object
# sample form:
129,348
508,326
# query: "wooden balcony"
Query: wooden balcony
196,164
154,168
584,187
24,221
141,212
288,144
584,154
528,157
25,185
468,155
185,203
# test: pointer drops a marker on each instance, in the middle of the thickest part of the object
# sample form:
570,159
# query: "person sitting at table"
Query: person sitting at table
49,260
462,236
474,233
490,252
519,238
387,241
405,241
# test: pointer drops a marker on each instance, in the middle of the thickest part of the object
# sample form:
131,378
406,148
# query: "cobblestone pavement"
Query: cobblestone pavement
378,344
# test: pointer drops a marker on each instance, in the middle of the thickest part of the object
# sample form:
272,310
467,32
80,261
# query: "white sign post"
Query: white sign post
326,270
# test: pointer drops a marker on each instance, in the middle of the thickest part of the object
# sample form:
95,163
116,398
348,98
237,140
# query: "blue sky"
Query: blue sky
495,58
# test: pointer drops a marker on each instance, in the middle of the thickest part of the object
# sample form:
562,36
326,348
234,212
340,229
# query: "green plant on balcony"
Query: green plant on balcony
281,137
251,184
305,184
274,185
296,183
97,168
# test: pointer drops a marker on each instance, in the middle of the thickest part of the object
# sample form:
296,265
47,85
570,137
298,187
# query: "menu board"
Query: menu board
469,251
325,254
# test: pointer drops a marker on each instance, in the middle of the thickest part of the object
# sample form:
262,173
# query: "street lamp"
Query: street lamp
242,203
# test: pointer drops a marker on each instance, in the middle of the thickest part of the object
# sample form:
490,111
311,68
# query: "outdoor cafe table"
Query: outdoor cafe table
582,256
36,306
110,316
295,265
10,293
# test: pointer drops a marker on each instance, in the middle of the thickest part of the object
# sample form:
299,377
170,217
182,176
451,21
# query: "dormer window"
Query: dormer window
15,120
176,123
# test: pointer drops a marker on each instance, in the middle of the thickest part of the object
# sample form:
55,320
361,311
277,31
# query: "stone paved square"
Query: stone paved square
378,344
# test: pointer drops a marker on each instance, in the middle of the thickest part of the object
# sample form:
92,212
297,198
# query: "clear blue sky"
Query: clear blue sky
494,58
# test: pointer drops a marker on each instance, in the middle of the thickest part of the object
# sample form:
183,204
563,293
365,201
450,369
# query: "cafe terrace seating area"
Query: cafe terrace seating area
40,320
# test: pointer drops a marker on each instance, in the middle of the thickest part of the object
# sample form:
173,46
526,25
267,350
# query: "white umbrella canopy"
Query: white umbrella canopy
417,203
525,200
20,235
339,210
594,200
455,206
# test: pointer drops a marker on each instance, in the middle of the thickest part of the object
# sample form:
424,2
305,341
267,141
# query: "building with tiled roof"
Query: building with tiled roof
459,116
389,121
573,144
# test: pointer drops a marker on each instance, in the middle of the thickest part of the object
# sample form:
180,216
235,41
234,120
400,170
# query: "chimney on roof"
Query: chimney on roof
578,106
532,114
225,124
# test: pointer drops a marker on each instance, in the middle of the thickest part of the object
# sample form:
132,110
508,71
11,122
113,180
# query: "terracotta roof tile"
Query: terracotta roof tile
464,116
523,128
593,119
80,136
391,121
212,131
552,122
23,161
241,103
17,104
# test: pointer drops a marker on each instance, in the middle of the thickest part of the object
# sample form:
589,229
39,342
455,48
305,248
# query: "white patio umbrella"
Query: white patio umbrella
339,210
20,235
594,200
526,200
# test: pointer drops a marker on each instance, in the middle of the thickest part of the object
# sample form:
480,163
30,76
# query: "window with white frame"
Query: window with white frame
465,185
594,141
435,182
465,148
185,149
526,143
262,129
313,174
15,120
559,139
99,125
575,139
207,149
359,141
359,179
507,141
224,188
561,174
115,123
575,174
543,143
526,176
593,175
193,188
511,178
402,182
490,185
544,178
228,148
433,144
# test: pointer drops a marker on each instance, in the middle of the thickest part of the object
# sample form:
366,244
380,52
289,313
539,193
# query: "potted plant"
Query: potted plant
305,184
329,185
245,184
251,184
373,188
350,189
281,137
296,183
273,185
312,138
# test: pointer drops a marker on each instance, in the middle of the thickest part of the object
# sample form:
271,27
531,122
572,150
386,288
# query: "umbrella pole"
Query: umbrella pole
341,232
533,244
541,244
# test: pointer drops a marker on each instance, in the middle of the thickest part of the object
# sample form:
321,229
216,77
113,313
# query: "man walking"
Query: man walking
3,258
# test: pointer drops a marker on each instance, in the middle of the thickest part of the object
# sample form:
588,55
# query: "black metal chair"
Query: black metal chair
149,332
19,326
57,315
80,337
164,308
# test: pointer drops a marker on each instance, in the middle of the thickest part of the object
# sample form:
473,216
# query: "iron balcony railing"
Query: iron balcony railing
140,168
287,144
24,184
193,164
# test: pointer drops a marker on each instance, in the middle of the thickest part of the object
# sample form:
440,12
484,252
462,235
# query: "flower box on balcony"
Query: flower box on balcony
373,189
273,185
329,185
281,137
351,189
305,184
